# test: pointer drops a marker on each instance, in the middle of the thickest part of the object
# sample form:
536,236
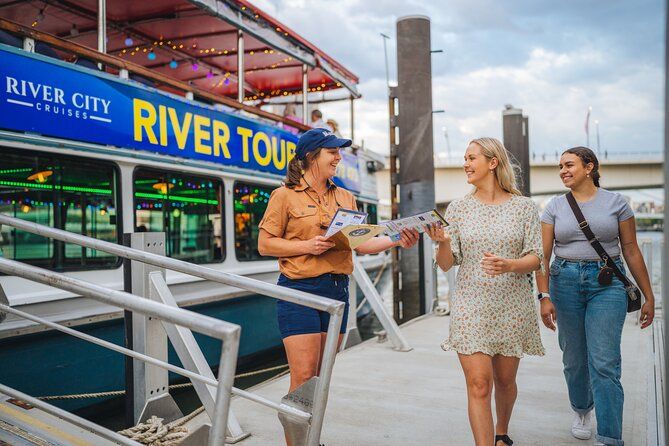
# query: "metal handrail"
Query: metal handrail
246,283
225,331
335,308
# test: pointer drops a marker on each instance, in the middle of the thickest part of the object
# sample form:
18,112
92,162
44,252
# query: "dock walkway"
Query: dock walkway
383,397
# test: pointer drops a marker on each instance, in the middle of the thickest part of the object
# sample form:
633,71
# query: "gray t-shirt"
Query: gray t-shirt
603,214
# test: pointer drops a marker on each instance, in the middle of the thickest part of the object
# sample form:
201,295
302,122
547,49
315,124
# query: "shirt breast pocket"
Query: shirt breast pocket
304,222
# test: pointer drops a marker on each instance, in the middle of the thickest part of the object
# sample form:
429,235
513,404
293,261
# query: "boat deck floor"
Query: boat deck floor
383,397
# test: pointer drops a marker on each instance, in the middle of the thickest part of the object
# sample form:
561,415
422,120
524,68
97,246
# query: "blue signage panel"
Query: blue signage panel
53,99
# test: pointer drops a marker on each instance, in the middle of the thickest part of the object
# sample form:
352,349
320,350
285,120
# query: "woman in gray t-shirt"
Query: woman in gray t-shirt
589,315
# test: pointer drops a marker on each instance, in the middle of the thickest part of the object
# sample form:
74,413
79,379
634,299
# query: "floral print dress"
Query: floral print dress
495,315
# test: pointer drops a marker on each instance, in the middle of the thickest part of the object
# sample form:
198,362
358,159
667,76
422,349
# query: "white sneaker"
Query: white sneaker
581,427
597,443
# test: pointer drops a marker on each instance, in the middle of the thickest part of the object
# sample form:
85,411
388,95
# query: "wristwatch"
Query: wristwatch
542,295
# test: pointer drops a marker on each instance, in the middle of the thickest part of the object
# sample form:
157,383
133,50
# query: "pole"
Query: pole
240,66
305,94
385,53
587,128
352,118
597,130
516,140
415,153
102,26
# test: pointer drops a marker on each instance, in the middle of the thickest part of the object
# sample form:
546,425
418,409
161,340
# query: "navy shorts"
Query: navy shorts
297,319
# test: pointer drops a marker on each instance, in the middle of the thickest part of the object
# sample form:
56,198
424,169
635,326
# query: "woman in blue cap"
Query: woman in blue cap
297,215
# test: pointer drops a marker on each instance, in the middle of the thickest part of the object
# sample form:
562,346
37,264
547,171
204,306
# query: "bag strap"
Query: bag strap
597,246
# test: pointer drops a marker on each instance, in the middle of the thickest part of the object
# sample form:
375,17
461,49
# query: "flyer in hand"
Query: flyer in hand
348,231
417,222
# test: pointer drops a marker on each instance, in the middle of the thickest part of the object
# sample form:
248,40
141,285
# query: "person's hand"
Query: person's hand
408,238
317,245
647,313
437,233
494,265
548,316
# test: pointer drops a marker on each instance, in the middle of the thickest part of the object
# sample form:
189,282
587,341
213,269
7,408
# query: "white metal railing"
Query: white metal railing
225,331
314,420
652,254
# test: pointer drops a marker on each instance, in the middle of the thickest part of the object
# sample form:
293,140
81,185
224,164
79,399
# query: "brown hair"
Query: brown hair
297,167
587,156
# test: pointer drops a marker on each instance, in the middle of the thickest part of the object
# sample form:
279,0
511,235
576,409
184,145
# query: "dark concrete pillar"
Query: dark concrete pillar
516,141
415,156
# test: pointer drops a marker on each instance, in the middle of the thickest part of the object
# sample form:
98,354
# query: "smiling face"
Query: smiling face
477,166
572,170
326,162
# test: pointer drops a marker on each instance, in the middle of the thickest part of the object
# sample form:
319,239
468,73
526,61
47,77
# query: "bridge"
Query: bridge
619,172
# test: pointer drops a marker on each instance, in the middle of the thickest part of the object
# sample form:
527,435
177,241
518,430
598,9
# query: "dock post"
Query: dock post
517,142
412,147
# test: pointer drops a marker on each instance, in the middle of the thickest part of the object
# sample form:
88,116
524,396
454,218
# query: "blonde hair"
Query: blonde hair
505,172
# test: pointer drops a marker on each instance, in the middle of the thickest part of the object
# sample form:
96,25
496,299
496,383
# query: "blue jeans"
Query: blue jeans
590,321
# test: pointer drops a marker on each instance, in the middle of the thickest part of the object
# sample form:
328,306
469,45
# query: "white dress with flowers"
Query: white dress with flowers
495,315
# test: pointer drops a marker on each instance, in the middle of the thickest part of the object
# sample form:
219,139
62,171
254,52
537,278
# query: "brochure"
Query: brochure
348,231
417,222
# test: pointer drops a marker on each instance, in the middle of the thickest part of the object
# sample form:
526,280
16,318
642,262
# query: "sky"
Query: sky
553,59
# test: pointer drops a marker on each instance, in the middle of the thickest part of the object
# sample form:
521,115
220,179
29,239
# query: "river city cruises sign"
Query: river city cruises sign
54,98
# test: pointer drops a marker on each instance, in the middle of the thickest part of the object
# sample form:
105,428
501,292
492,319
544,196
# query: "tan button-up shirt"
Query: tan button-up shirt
300,214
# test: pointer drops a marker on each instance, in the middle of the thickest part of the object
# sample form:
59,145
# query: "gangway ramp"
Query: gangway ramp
25,421
379,396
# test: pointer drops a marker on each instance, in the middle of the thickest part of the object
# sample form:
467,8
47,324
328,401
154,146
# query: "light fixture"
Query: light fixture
25,208
195,66
40,177
173,64
128,41
210,74
176,213
163,187
227,81
151,55
103,211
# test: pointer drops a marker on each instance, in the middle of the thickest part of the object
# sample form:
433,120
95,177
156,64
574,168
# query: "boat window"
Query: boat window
250,204
372,214
73,194
189,209
370,209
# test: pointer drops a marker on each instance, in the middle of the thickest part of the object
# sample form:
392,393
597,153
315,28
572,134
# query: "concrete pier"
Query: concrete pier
383,397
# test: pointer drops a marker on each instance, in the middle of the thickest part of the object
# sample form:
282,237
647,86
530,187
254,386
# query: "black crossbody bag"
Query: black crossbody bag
610,268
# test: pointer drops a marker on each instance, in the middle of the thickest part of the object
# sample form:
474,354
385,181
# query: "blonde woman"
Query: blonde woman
494,235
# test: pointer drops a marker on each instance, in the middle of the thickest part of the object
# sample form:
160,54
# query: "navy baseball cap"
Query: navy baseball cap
316,138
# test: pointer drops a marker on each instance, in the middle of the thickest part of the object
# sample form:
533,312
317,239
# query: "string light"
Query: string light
173,64
151,55
39,18
128,41
210,74
195,66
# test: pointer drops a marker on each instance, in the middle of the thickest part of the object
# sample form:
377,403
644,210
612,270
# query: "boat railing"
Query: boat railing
308,417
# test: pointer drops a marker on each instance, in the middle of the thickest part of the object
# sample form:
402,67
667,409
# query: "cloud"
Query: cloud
552,59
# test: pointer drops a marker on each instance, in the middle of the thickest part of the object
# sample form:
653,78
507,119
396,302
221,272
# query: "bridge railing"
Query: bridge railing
442,159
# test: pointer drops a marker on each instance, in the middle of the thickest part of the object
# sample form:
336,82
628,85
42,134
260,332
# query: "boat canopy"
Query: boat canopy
194,41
